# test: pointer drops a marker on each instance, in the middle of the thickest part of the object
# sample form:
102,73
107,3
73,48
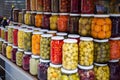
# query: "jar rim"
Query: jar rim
97,40
29,53
70,40
28,30
61,34
102,15
45,61
38,33
15,46
55,13
71,14
86,38
116,38
69,71
35,56
87,15
63,13
73,36
33,11
57,38
97,64
56,66
28,11
115,15
20,50
117,60
47,13
85,67
9,44
43,30
51,31
39,12
46,35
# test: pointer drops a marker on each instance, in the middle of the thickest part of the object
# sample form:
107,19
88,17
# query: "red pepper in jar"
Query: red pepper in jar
6,35
15,34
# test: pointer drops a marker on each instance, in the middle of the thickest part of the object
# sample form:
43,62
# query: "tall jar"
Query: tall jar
56,50
42,69
39,5
47,5
86,51
38,19
28,7
63,22
1,42
45,46
55,6
2,33
74,36
101,27
73,23
15,36
20,17
101,51
15,14
27,18
101,72
70,54
33,14
9,51
13,53
86,72
4,45
6,35
54,72
62,34
75,6
23,13
33,5
34,61
85,24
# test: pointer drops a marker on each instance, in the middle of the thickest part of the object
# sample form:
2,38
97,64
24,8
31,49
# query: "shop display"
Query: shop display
15,36
28,7
52,32
75,6
33,14
39,5
9,51
15,14
27,18
62,34
33,5
13,53
1,42
4,45
6,35
38,19
47,5
55,6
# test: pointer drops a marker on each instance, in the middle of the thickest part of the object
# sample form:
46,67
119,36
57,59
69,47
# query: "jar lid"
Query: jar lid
114,60
63,13
70,40
116,38
37,28
9,44
22,29
35,56
15,9
37,32
23,9
5,41
20,50
57,38
33,11
56,66
69,71
28,53
86,38
20,12
43,30
51,32
16,27
115,15
46,35
105,40
102,15
85,67
39,12
47,12
45,61
87,15
100,64
74,14
55,13
28,30
28,11
15,46
61,34
11,26
1,39
73,36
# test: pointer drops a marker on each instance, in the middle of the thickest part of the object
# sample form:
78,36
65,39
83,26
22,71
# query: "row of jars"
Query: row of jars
74,6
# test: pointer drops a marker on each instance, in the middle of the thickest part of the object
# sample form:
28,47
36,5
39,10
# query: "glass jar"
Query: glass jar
53,21
2,33
86,72
63,22
15,14
101,51
101,27
9,51
4,45
86,51
52,32
87,7
20,17
42,69
38,19
36,38
28,7
33,14
23,13
101,71
44,30
6,35
73,23
62,34
69,74
56,49
55,6
47,5
74,36
15,36
19,56
45,46
13,53
1,42
39,5
70,54
33,5
27,18
46,20
54,72
75,6
34,61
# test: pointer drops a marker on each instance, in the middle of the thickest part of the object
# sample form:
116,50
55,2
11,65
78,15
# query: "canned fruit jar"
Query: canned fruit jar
13,53
38,19
70,54
10,34
39,5
9,51
33,5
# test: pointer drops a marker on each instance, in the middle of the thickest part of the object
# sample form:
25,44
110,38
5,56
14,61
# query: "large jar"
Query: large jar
15,36
13,53
45,46
20,17
55,6
23,13
42,69
47,5
38,19
34,61
36,38
74,36
56,50
4,45
1,42
62,34
33,5
75,6
10,34
3,33
70,54
39,5
9,51
28,5
86,51
86,72
63,22
101,27
15,14
6,35
33,14
101,51
69,74
54,72
85,25
27,18
101,72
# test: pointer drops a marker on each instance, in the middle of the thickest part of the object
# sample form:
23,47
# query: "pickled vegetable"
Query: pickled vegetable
6,35
33,5
1,42
10,32
47,5
27,18
15,36
9,51
39,5
4,45
13,54
3,33
38,19
55,6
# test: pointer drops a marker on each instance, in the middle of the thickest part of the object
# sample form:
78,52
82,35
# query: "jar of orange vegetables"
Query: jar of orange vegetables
101,27
38,19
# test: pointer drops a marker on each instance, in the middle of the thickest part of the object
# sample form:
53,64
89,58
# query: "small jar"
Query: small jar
62,34
6,35
2,33
39,5
52,32
33,5
86,51
56,49
101,72
54,72
15,36
4,45
45,46
20,17
86,72
9,51
15,14
1,42
10,34
69,74
42,69
28,7
13,54
70,54
55,6
101,51
27,18
74,36
47,5
34,61
38,19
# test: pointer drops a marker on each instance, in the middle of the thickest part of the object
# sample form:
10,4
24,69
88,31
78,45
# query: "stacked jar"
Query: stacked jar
13,53
38,19
15,36
9,51
27,18
2,33
39,5
33,14
6,35
10,36
4,45
1,42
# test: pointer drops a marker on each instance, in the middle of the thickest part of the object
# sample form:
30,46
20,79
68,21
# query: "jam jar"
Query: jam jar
86,51
73,23
85,24
74,36
38,19
19,56
86,72
4,45
54,72
9,51
47,5
70,54
1,42
45,46
56,49
63,22
25,61
34,61
6,35
42,69
27,18
69,74
101,71
114,69
39,5
101,27
15,14
101,51
15,36
52,32
2,33
62,34
55,6
28,5
33,5
13,53
33,14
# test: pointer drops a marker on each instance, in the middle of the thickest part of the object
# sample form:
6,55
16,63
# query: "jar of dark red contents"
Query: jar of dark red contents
33,5
74,36
26,59
4,45
86,72
56,50
13,54
33,14
114,69
15,35
15,14
87,6
75,6
47,5
42,69
28,5
63,22
73,23
55,6
39,5
46,20
38,19
6,35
